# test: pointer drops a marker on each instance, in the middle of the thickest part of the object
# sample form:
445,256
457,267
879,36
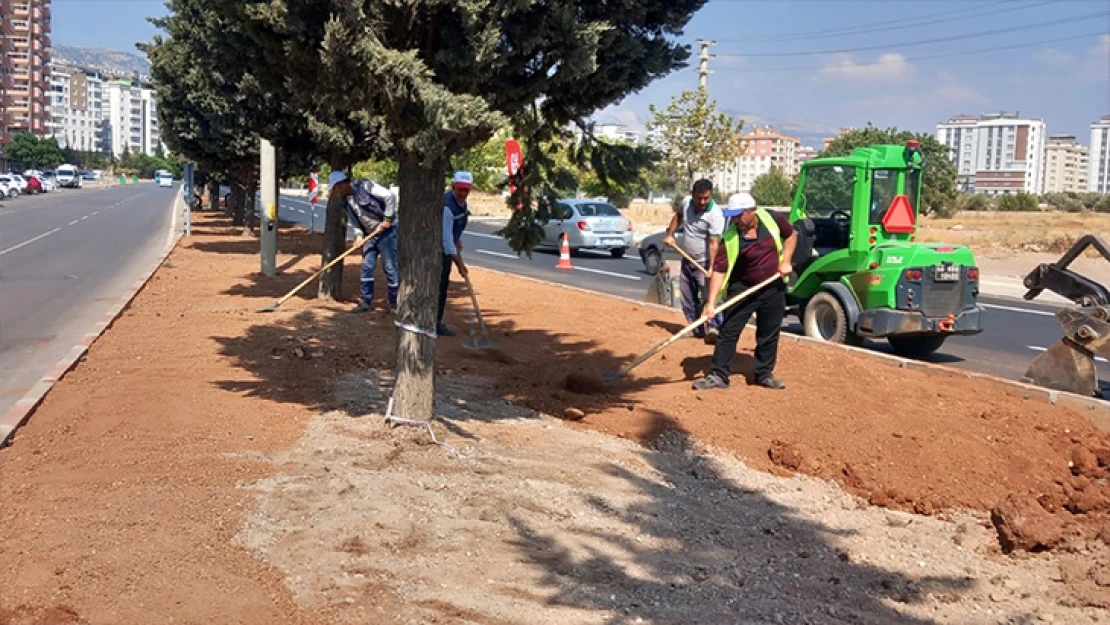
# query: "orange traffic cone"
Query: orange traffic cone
564,255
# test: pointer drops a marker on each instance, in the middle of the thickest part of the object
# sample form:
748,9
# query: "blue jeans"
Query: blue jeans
693,287
385,245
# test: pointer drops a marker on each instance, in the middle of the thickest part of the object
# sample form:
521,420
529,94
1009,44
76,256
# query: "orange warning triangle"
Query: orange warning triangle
899,217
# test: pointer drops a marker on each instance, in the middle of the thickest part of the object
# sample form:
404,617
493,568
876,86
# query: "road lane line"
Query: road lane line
609,273
94,213
84,218
75,222
1043,313
499,254
29,241
484,235
1043,349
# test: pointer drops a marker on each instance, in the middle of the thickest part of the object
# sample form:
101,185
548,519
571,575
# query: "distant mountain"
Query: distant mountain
103,59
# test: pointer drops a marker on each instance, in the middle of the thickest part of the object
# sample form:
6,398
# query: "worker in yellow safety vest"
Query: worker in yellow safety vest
757,244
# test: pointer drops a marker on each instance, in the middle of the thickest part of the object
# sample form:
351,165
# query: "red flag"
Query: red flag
514,160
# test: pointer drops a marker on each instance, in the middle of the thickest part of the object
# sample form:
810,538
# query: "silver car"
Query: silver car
589,225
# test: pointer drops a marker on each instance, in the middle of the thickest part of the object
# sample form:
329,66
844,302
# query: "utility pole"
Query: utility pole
703,64
268,172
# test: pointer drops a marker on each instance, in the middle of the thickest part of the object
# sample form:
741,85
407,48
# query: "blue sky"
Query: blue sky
1060,72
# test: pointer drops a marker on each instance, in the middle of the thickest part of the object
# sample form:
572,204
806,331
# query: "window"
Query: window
598,210
884,188
829,188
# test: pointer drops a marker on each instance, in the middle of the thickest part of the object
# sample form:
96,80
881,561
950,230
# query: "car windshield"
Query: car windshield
598,210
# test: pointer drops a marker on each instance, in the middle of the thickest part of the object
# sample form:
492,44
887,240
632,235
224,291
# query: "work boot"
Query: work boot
443,330
363,306
709,382
711,336
771,382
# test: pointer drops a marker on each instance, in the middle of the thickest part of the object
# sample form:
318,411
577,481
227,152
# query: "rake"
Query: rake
484,343
612,376
274,306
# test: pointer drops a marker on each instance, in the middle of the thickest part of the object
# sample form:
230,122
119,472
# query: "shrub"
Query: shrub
974,202
1017,202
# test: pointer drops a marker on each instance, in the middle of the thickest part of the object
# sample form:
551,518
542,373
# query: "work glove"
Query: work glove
359,234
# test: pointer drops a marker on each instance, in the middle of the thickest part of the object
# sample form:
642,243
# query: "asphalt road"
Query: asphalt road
64,257
1016,331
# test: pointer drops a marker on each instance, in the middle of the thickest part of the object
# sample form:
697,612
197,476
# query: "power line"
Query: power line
922,42
916,22
945,55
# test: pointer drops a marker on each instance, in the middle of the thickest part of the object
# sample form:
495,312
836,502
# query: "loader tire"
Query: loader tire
825,319
916,346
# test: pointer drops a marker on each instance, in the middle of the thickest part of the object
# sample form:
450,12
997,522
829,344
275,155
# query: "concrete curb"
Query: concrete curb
22,409
1095,410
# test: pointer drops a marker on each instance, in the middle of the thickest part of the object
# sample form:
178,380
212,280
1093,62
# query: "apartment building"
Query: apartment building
996,153
805,153
77,108
1065,165
1098,169
24,67
616,133
764,148
130,118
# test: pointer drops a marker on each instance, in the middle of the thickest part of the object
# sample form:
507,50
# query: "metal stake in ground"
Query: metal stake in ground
684,331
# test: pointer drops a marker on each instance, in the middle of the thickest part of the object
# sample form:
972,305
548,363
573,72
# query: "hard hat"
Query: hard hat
738,203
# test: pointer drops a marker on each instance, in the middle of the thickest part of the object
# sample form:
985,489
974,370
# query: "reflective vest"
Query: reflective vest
732,242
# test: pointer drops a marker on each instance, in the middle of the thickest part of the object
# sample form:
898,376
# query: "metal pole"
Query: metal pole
190,194
269,210
703,63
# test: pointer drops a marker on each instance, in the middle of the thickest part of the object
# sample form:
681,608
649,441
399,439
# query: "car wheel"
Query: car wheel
618,252
653,261
915,346
825,319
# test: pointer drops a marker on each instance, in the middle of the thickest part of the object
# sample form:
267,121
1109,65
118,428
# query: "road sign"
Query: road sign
313,188
514,160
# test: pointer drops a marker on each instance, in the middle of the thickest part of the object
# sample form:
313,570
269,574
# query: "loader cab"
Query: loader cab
847,205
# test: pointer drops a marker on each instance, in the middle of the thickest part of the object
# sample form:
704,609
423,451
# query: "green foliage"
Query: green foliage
698,139
383,172
974,202
486,161
773,189
1017,202
85,159
1078,202
938,192
34,152
144,165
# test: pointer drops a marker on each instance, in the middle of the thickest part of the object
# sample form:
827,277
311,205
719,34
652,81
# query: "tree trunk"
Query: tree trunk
237,203
250,219
335,242
419,258
228,204
214,195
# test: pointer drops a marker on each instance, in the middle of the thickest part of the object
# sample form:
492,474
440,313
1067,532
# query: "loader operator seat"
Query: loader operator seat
804,253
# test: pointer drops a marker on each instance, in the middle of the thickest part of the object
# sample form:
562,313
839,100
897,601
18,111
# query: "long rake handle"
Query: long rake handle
690,328
678,248
353,248
477,310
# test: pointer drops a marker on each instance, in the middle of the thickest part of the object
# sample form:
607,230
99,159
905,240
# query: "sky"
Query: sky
812,67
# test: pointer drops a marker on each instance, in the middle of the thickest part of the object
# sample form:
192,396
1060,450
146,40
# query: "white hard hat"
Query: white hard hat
738,203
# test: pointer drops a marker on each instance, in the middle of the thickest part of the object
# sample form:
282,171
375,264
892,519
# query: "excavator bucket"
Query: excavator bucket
1069,364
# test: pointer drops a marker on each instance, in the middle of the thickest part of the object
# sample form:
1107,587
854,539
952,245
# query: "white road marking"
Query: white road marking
484,235
94,213
1042,349
75,222
1043,313
29,241
609,273
500,254
84,218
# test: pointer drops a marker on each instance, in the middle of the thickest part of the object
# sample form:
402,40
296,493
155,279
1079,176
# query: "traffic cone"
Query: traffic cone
564,255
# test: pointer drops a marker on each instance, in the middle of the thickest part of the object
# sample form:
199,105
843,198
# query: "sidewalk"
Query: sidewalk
209,463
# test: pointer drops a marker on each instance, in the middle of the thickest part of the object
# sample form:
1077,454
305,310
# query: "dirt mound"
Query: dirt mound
785,455
1022,524
584,383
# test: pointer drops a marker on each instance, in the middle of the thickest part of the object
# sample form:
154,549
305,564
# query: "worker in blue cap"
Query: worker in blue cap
456,215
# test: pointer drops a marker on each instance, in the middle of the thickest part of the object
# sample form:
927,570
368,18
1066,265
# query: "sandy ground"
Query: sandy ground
207,463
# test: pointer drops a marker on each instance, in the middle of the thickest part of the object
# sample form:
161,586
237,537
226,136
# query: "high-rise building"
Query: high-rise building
77,108
130,118
1065,165
996,153
764,148
805,153
24,68
1098,171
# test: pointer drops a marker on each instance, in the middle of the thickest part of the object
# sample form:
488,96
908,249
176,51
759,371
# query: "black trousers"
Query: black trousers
444,281
769,307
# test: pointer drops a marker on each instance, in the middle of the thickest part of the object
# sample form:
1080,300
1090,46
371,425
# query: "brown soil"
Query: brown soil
123,495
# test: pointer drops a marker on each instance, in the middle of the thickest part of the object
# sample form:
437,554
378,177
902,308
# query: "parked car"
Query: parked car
653,253
165,180
34,185
20,180
66,175
589,224
9,186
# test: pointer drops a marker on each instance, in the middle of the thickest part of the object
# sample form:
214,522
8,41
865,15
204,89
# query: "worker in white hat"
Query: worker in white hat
757,244
456,215
372,213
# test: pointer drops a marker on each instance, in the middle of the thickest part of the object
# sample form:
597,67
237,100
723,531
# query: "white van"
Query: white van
68,176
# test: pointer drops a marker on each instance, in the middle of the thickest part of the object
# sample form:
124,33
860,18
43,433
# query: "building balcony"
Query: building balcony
46,12
20,43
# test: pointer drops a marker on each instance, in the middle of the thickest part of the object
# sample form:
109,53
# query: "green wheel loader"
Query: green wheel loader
859,271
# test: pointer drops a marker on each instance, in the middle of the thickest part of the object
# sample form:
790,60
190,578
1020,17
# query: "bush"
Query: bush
974,202
1017,202
1103,203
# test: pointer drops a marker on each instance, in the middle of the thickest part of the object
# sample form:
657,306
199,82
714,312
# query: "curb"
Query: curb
23,408
1096,411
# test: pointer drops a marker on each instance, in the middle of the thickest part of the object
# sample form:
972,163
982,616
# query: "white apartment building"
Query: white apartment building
996,153
616,132
131,118
1098,170
764,148
804,153
76,108
1065,165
